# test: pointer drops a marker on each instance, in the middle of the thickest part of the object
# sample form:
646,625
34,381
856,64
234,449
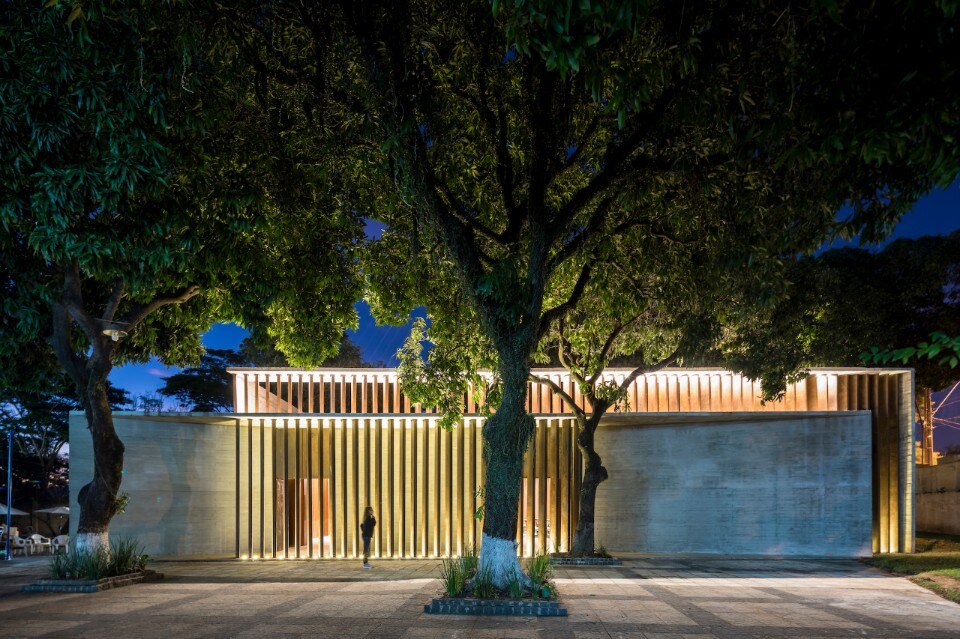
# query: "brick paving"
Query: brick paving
648,598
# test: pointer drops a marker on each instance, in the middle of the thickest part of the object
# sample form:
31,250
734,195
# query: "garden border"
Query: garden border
494,607
92,585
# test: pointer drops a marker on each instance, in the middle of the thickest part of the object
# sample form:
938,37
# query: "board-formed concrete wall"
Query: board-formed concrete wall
938,498
181,479
798,486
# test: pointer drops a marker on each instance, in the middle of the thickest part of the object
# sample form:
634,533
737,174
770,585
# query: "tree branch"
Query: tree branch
643,370
574,244
142,311
114,301
63,348
72,299
560,310
556,388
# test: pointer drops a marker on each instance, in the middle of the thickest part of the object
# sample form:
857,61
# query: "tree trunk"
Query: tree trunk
594,474
505,437
98,499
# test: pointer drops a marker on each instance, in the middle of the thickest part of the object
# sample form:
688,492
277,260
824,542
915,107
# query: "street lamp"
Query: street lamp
114,329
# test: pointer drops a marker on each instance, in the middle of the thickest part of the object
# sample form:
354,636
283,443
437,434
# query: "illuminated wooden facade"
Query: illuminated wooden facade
314,447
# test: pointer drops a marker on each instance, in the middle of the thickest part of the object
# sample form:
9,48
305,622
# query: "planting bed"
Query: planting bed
92,585
485,607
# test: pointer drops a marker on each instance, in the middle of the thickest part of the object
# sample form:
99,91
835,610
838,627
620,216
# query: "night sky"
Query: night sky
937,213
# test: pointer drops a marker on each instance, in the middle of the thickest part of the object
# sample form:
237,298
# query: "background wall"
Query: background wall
757,485
938,498
181,479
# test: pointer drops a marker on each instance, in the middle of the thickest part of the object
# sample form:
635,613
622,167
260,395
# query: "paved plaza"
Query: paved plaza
688,598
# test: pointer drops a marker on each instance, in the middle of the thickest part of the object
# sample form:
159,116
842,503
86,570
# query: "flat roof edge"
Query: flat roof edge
666,371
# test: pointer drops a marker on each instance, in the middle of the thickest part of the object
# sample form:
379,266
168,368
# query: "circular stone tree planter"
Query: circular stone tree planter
92,585
492,607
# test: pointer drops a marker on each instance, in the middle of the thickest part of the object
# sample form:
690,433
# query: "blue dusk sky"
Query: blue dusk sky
937,213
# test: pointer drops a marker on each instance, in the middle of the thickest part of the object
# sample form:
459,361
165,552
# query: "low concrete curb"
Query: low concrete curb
585,561
91,585
494,607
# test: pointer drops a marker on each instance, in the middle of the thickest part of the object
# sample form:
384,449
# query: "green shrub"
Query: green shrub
539,570
515,589
453,576
470,559
125,556
601,551
483,587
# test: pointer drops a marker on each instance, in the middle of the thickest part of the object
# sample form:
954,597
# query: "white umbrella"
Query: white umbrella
56,510
13,511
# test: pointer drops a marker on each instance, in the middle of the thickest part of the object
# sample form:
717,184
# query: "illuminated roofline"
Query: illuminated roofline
847,370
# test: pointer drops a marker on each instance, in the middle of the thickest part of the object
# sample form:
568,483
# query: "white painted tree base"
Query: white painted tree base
499,556
91,541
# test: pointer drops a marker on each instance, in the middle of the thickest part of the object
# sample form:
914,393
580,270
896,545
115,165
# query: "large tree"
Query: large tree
137,187
516,136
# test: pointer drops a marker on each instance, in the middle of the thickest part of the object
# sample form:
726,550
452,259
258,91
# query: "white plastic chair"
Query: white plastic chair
39,542
19,544
59,543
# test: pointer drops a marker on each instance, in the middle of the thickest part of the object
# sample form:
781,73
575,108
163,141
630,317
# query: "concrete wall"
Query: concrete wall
938,498
797,486
181,480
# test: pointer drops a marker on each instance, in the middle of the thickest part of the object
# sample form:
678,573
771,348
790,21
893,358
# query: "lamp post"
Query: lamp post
6,536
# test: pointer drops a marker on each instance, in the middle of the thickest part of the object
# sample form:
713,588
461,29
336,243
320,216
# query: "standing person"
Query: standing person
366,531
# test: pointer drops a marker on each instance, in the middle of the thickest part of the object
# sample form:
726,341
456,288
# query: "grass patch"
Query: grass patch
947,592
935,565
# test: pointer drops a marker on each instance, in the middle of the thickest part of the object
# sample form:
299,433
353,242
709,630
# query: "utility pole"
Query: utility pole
6,530
926,423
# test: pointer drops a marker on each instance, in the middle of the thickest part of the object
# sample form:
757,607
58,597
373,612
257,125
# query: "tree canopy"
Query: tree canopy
140,179
845,302
517,140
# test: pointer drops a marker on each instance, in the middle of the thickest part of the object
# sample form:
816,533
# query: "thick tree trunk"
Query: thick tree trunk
594,474
98,499
505,438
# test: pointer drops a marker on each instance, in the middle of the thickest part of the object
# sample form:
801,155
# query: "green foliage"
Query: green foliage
124,556
539,570
515,588
120,503
483,585
846,302
940,344
453,575
601,551
470,559
478,513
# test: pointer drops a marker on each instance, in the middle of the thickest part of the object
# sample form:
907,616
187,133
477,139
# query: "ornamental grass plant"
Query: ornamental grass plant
124,557
463,577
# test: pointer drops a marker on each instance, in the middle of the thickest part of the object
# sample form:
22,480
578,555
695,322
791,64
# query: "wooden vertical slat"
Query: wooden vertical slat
892,418
541,432
563,481
442,524
553,495
321,476
456,489
398,486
